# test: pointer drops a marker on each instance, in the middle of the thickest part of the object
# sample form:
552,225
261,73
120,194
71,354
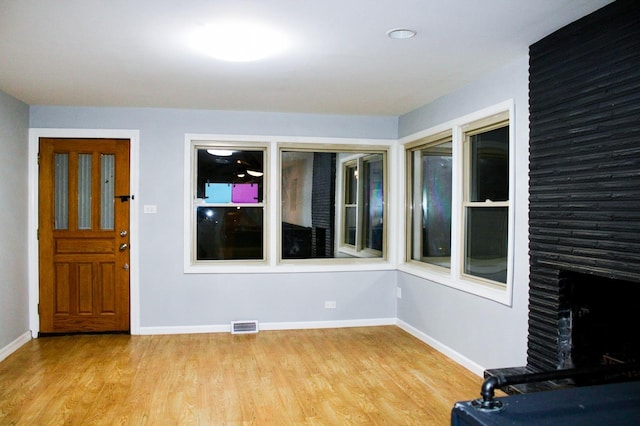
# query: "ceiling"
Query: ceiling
135,53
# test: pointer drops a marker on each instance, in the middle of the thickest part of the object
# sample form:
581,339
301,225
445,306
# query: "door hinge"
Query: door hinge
38,309
38,234
38,158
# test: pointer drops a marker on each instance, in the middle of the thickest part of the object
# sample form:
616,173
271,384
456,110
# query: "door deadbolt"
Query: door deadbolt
123,246
123,233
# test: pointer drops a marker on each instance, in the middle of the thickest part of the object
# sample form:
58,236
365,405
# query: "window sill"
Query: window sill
496,293
290,266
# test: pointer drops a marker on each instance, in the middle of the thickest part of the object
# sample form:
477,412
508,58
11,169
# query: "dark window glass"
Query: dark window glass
486,243
229,233
490,165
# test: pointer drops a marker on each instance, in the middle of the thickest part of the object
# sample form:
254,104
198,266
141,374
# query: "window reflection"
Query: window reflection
373,203
229,203
332,204
431,176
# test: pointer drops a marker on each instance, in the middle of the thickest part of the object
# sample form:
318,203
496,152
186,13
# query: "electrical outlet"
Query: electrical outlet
399,292
330,304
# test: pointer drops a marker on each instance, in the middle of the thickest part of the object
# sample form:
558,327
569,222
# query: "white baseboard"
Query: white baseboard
226,328
441,347
327,324
15,345
186,329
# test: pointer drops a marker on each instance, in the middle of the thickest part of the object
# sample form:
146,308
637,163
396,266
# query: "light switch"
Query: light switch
150,209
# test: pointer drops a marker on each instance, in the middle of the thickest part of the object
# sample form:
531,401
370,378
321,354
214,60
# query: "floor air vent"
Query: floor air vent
244,327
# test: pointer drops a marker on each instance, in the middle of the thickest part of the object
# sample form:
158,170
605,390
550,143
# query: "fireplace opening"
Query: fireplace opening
604,320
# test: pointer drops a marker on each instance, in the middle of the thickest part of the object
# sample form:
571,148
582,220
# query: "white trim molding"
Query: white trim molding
15,345
34,137
264,326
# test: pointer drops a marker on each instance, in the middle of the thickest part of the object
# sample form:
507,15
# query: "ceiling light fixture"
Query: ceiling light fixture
400,33
238,41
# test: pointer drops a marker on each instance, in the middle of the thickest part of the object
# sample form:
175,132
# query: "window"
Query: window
458,194
228,202
430,199
486,202
332,202
241,218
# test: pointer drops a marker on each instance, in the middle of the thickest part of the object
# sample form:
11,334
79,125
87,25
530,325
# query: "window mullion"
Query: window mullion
457,195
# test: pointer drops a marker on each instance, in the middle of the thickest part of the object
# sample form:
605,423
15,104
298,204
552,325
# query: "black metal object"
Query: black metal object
125,198
601,373
615,404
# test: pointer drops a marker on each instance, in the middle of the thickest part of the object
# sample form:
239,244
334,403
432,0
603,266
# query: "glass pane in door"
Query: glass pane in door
61,191
107,195
84,191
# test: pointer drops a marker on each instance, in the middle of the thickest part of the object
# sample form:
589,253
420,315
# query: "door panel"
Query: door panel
83,235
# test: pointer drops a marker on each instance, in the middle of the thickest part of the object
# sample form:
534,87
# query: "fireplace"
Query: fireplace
602,317
584,192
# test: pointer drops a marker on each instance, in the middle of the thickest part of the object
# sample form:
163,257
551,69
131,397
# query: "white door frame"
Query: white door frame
32,233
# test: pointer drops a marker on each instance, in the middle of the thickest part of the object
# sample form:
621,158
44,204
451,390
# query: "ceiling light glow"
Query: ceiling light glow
220,152
238,41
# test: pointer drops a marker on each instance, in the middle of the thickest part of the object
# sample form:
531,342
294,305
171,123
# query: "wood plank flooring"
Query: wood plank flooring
368,375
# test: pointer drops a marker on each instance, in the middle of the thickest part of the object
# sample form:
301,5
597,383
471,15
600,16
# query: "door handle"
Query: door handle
123,246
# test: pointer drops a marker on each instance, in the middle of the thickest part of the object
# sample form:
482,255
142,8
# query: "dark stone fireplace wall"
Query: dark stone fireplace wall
584,168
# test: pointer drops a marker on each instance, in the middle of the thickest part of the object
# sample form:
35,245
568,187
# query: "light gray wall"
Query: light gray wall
169,297
14,124
488,333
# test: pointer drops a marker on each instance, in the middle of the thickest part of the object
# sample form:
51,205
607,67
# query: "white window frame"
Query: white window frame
357,249
272,197
454,277
192,202
469,130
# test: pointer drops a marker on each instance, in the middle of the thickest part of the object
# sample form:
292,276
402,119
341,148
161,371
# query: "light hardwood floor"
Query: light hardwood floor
369,375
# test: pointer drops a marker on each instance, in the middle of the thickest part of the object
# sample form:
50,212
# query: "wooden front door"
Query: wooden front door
83,235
